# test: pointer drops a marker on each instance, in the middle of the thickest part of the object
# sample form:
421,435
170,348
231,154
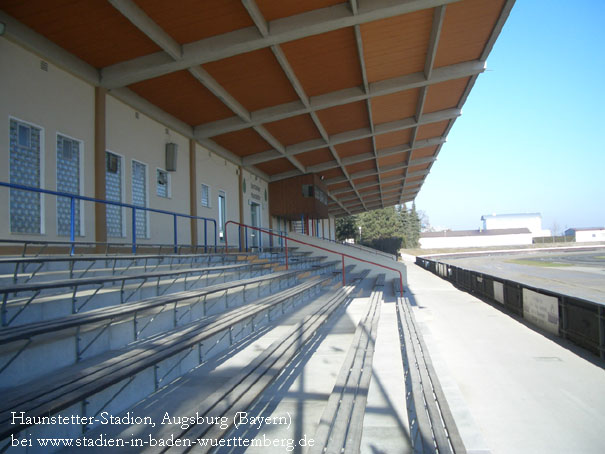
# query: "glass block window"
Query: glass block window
68,180
24,169
163,183
205,195
113,192
139,196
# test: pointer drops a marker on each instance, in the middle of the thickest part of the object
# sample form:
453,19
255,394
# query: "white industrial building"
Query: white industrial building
586,235
475,238
531,221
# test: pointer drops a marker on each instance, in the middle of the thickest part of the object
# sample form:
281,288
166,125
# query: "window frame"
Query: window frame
168,183
222,214
42,174
123,192
209,198
82,185
147,201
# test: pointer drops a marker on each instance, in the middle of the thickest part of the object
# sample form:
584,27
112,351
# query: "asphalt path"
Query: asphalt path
579,274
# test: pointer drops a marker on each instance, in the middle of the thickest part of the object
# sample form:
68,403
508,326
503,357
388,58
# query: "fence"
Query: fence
575,319
72,221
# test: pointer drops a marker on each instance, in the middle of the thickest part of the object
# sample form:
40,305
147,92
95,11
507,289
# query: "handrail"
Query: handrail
89,244
361,247
342,254
72,223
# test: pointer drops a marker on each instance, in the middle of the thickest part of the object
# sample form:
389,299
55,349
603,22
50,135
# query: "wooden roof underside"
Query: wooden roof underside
362,93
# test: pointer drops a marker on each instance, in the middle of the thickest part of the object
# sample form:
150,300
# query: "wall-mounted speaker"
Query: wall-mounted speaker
171,149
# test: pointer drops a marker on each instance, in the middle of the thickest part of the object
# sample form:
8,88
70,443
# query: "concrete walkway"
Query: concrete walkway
511,388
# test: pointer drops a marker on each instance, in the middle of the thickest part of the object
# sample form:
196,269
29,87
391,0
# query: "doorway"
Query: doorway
255,222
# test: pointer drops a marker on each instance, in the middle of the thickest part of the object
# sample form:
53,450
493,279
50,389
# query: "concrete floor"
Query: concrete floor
386,425
511,388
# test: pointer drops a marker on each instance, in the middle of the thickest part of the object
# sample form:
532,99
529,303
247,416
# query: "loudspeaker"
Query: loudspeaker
171,149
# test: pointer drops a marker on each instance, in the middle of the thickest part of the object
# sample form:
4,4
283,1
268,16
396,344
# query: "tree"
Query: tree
381,229
410,226
414,229
387,229
378,224
346,227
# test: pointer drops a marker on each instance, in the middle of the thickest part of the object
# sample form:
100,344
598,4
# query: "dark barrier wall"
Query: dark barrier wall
580,321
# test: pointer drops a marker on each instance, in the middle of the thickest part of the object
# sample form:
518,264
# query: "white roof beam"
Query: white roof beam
21,34
257,17
367,173
249,39
143,22
346,96
381,153
216,89
438,16
357,134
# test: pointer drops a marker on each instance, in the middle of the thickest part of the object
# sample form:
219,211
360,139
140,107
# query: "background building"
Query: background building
585,235
531,221
475,238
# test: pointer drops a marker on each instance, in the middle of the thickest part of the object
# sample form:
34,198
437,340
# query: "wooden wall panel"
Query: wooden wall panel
466,28
344,118
243,143
181,95
192,20
254,79
334,68
293,130
396,46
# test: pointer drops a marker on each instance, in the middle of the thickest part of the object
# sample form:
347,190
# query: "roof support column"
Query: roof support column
99,164
240,185
193,192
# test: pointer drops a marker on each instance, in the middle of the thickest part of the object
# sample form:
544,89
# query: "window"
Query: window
205,195
139,196
222,216
68,180
113,192
321,196
308,190
24,168
163,183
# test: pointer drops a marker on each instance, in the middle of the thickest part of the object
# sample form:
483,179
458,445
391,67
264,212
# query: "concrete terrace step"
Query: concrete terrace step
219,389
92,380
340,427
67,340
276,344
21,270
75,295
15,270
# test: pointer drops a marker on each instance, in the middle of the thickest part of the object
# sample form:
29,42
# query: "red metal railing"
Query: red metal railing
342,254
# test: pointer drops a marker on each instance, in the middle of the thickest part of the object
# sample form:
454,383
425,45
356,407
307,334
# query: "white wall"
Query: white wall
475,241
144,140
220,175
585,236
257,191
58,103
533,223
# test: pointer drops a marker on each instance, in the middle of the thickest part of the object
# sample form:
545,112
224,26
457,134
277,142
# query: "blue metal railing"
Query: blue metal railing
134,208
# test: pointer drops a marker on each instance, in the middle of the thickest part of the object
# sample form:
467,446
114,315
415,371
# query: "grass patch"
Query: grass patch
542,263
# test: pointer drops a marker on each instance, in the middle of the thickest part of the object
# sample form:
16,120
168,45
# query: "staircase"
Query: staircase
178,353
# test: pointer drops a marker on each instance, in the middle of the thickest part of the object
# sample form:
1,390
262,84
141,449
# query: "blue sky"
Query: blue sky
530,138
